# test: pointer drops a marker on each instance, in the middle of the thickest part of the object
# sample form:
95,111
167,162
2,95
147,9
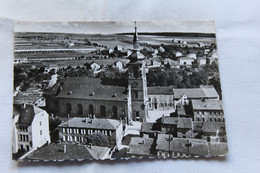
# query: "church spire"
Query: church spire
135,40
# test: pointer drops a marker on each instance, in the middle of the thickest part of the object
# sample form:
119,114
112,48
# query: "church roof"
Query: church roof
136,55
91,88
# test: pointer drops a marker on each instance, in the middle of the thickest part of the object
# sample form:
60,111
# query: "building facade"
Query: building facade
30,128
76,130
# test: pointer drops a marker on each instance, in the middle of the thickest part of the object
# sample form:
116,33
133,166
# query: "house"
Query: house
201,61
184,95
30,127
207,110
184,128
77,129
94,66
62,152
156,62
178,54
169,125
140,147
168,146
160,98
150,130
218,148
186,61
172,63
192,55
121,64
210,131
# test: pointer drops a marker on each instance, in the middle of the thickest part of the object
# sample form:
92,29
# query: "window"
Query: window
114,110
102,111
40,123
80,109
68,108
91,109
136,94
137,116
40,132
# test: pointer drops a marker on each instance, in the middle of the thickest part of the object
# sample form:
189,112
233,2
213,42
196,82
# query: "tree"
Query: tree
98,139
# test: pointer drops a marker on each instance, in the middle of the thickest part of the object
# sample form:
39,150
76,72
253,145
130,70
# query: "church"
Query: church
84,97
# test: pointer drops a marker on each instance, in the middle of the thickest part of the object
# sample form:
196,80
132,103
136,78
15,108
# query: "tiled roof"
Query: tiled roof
169,120
181,111
27,113
136,55
140,146
187,58
91,88
218,148
150,127
56,152
182,145
96,123
185,123
207,104
196,93
159,90
210,127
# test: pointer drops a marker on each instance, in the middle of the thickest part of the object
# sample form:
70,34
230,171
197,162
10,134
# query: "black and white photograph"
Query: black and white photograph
116,90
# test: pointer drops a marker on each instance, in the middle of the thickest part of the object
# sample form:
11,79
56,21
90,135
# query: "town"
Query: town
124,95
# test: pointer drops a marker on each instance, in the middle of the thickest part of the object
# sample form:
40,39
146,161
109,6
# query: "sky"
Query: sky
116,27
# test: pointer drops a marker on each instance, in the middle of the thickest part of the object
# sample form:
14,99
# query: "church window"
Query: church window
80,109
136,94
68,108
102,111
137,116
114,109
91,109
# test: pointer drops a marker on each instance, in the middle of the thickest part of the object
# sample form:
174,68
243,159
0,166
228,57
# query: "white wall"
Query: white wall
37,139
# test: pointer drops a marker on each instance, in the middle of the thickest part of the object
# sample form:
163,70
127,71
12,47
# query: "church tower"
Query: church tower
137,84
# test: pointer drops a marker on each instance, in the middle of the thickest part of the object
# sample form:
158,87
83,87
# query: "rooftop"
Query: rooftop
159,90
218,148
185,123
56,152
95,123
182,145
140,146
27,113
150,127
207,104
90,88
210,127
196,93
169,120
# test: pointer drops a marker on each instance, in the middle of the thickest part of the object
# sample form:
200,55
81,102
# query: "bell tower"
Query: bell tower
137,84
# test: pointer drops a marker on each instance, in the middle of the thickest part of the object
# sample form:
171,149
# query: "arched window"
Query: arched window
102,111
80,109
136,94
91,109
114,110
68,108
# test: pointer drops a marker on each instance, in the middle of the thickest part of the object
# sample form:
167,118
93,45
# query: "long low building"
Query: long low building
76,130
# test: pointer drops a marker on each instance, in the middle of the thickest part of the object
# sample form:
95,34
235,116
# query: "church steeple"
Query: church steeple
135,40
